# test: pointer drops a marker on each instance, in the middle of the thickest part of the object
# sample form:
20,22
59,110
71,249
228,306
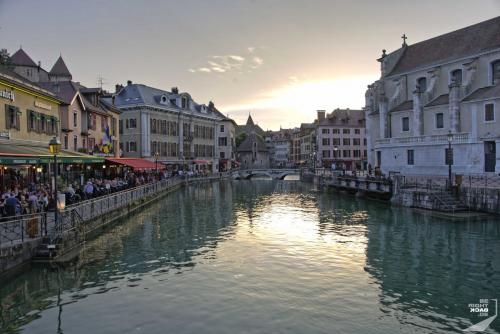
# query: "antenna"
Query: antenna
100,81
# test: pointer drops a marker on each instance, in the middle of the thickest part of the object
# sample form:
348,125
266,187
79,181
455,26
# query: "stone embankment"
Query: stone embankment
20,238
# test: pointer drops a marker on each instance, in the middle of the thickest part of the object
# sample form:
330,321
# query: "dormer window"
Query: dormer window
456,77
163,99
495,71
184,102
422,84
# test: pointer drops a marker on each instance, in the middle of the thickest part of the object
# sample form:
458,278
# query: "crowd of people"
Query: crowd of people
24,199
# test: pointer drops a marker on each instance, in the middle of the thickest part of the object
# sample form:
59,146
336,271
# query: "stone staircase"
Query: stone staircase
444,201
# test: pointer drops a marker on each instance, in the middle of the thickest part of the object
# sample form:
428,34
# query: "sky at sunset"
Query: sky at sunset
281,60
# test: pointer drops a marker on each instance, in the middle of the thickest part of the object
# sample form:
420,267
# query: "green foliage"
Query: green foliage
240,138
4,57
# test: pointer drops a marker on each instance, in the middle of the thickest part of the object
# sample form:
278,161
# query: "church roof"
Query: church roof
250,121
406,105
21,58
247,144
457,44
60,68
484,93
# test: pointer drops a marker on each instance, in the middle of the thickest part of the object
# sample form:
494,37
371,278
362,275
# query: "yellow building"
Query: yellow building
31,119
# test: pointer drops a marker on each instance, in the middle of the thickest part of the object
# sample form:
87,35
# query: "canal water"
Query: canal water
266,256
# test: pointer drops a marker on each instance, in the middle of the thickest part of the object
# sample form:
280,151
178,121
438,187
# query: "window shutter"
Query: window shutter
28,118
18,119
7,118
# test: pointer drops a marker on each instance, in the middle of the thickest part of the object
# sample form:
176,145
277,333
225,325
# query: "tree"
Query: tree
241,137
4,57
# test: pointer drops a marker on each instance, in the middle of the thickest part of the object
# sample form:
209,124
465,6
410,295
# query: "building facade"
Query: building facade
226,145
169,127
279,146
341,139
87,124
433,91
307,144
252,152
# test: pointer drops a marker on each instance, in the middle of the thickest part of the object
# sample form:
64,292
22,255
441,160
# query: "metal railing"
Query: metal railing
18,229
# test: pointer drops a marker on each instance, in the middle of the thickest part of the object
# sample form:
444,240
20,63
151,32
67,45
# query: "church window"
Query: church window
405,124
495,68
422,84
439,120
456,76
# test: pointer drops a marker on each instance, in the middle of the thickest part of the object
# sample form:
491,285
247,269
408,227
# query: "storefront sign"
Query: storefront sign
43,105
7,94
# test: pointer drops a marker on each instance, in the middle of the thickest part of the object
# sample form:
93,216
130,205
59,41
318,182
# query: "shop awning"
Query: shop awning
135,163
202,162
26,154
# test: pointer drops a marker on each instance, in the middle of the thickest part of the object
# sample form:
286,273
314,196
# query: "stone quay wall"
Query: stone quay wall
94,216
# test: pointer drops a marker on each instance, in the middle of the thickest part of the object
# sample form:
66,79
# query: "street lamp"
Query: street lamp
449,156
55,148
335,152
156,162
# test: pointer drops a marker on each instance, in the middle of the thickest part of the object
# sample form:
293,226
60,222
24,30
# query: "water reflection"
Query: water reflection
265,256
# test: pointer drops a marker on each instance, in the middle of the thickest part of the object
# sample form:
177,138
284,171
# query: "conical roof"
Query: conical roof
21,58
250,120
60,68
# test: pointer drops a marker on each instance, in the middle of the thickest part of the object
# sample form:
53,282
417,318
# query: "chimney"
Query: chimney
129,82
113,100
39,65
321,115
118,88
175,90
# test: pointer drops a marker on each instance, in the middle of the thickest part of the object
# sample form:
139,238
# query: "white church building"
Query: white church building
441,91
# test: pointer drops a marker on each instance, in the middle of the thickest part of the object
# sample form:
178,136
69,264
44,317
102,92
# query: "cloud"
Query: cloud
239,59
238,64
257,62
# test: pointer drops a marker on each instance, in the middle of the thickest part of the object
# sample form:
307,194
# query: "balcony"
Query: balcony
423,140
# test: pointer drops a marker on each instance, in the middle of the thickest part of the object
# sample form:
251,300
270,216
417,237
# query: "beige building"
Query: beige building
436,90
169,127
341,139
87,124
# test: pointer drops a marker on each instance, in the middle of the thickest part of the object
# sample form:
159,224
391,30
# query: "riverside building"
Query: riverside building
341,139
170,127
86,123
435,93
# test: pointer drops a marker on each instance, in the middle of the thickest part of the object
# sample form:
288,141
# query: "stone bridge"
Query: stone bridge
277,173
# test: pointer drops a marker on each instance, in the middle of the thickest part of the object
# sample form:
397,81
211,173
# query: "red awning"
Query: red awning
136,163
202,162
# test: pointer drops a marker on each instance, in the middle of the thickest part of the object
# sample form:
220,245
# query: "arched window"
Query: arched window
456,77
495,72
422,83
